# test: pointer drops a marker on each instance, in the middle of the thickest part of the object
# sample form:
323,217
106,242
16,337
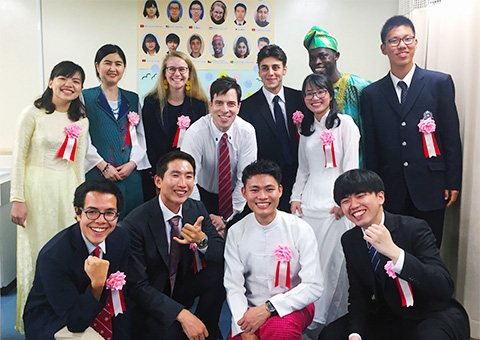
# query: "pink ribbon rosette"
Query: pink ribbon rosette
327,138
404,287
427,127
133,120
115,283
183,123
67,151
297,120
198,264
283,254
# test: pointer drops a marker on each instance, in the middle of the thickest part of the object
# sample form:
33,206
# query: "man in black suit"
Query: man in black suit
177,255
399,286
411,131
69,286
272,117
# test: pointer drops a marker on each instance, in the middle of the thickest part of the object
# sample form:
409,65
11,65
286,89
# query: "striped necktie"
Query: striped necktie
225,205
374,257
403,96
103,321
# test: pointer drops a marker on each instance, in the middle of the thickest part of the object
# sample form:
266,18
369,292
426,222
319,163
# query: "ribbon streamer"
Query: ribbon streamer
329,156
67,151
177,142
430,146
283,274
117,305
405,291
198,264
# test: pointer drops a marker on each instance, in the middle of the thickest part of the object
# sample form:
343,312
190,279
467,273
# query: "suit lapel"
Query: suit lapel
390,94
157,228
414,90
266,113
362,259
289,113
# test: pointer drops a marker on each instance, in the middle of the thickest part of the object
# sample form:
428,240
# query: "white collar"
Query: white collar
270,96
167,213
407,79
91,247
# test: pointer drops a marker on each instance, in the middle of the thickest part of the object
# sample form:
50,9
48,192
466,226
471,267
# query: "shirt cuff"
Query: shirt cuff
397,268
354,334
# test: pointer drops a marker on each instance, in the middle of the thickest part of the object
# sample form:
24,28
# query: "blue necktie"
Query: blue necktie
404,93
282,131
374,257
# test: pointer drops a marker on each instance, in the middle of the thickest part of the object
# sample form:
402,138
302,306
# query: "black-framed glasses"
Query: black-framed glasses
93,214
320,94
173,69
408,39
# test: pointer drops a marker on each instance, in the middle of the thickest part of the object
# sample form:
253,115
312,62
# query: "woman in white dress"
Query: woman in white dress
328,147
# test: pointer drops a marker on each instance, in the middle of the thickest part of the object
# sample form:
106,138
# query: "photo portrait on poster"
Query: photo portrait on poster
195,46
172,41
241,47
218,46
174,11
262,42
218,12
262,15
196,11
150,10
240,12
150,44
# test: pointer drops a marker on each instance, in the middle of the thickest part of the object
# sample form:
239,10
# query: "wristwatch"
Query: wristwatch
270,308
203,243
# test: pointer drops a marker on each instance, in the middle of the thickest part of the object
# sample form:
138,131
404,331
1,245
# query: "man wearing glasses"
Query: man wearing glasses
412,131
69,291
196,11
174,11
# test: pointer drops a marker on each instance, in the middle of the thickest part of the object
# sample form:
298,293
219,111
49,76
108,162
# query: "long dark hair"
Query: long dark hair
323,82
67,69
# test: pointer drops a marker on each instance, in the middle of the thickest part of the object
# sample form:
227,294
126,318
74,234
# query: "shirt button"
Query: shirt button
404,143
404,124
405,164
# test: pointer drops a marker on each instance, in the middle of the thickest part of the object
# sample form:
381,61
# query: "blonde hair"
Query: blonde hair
196,90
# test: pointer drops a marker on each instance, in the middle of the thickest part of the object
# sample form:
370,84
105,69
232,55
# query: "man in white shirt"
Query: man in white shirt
399,286
204,140
272,269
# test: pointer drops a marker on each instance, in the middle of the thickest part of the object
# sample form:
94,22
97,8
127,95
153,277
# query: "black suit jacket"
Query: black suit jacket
394,145
149,262
423,268
61,293
256,110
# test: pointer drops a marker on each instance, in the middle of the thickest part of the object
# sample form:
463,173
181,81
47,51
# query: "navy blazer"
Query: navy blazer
61,293
149,262
394,145
423,268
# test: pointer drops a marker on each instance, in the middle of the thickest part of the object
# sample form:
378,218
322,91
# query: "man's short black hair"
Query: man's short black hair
240,5
272,51
355,182
262,167
172,37
395,21
224,84
162,164
102,186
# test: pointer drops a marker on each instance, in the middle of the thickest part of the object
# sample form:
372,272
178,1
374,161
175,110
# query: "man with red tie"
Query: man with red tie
222,145
81,271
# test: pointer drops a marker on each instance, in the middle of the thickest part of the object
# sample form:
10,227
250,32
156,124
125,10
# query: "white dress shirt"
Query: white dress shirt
250,266
282,102
202,141
407,79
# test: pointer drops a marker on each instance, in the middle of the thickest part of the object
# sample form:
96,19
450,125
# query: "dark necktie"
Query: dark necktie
374,257
404,88
225,205
103,321
174,250
282,131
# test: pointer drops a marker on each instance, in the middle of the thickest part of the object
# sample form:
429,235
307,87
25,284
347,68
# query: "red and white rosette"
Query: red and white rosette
404,287
283,254
427,127
115,283
198,263
327,138
297,120
183,123
67,151
133,120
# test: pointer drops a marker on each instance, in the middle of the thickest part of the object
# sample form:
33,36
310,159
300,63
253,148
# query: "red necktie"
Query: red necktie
103,321
174,250
225,206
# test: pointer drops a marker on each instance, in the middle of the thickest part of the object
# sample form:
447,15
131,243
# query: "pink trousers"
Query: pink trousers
290,327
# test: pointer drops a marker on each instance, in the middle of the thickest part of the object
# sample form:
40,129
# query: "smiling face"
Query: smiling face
323,60
224,109
196,45
218,45
241,49
195,12
151,12
400,56
150,44
64,89
110,69
240,14
271,71
96,231
262,193
172,45
217,12
364,209
262,14
176,80
319,106
176,185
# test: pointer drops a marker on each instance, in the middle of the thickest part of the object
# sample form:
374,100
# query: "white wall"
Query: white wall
75,29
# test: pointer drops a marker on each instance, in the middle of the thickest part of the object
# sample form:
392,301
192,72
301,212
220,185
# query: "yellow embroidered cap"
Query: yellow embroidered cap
317,37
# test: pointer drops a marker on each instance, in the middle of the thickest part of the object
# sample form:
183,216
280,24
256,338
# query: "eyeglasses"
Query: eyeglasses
174,8
396,41
93,214
320,94
173,69
193,9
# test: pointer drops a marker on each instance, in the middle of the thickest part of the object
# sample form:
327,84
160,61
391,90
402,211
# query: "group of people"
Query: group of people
256,206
